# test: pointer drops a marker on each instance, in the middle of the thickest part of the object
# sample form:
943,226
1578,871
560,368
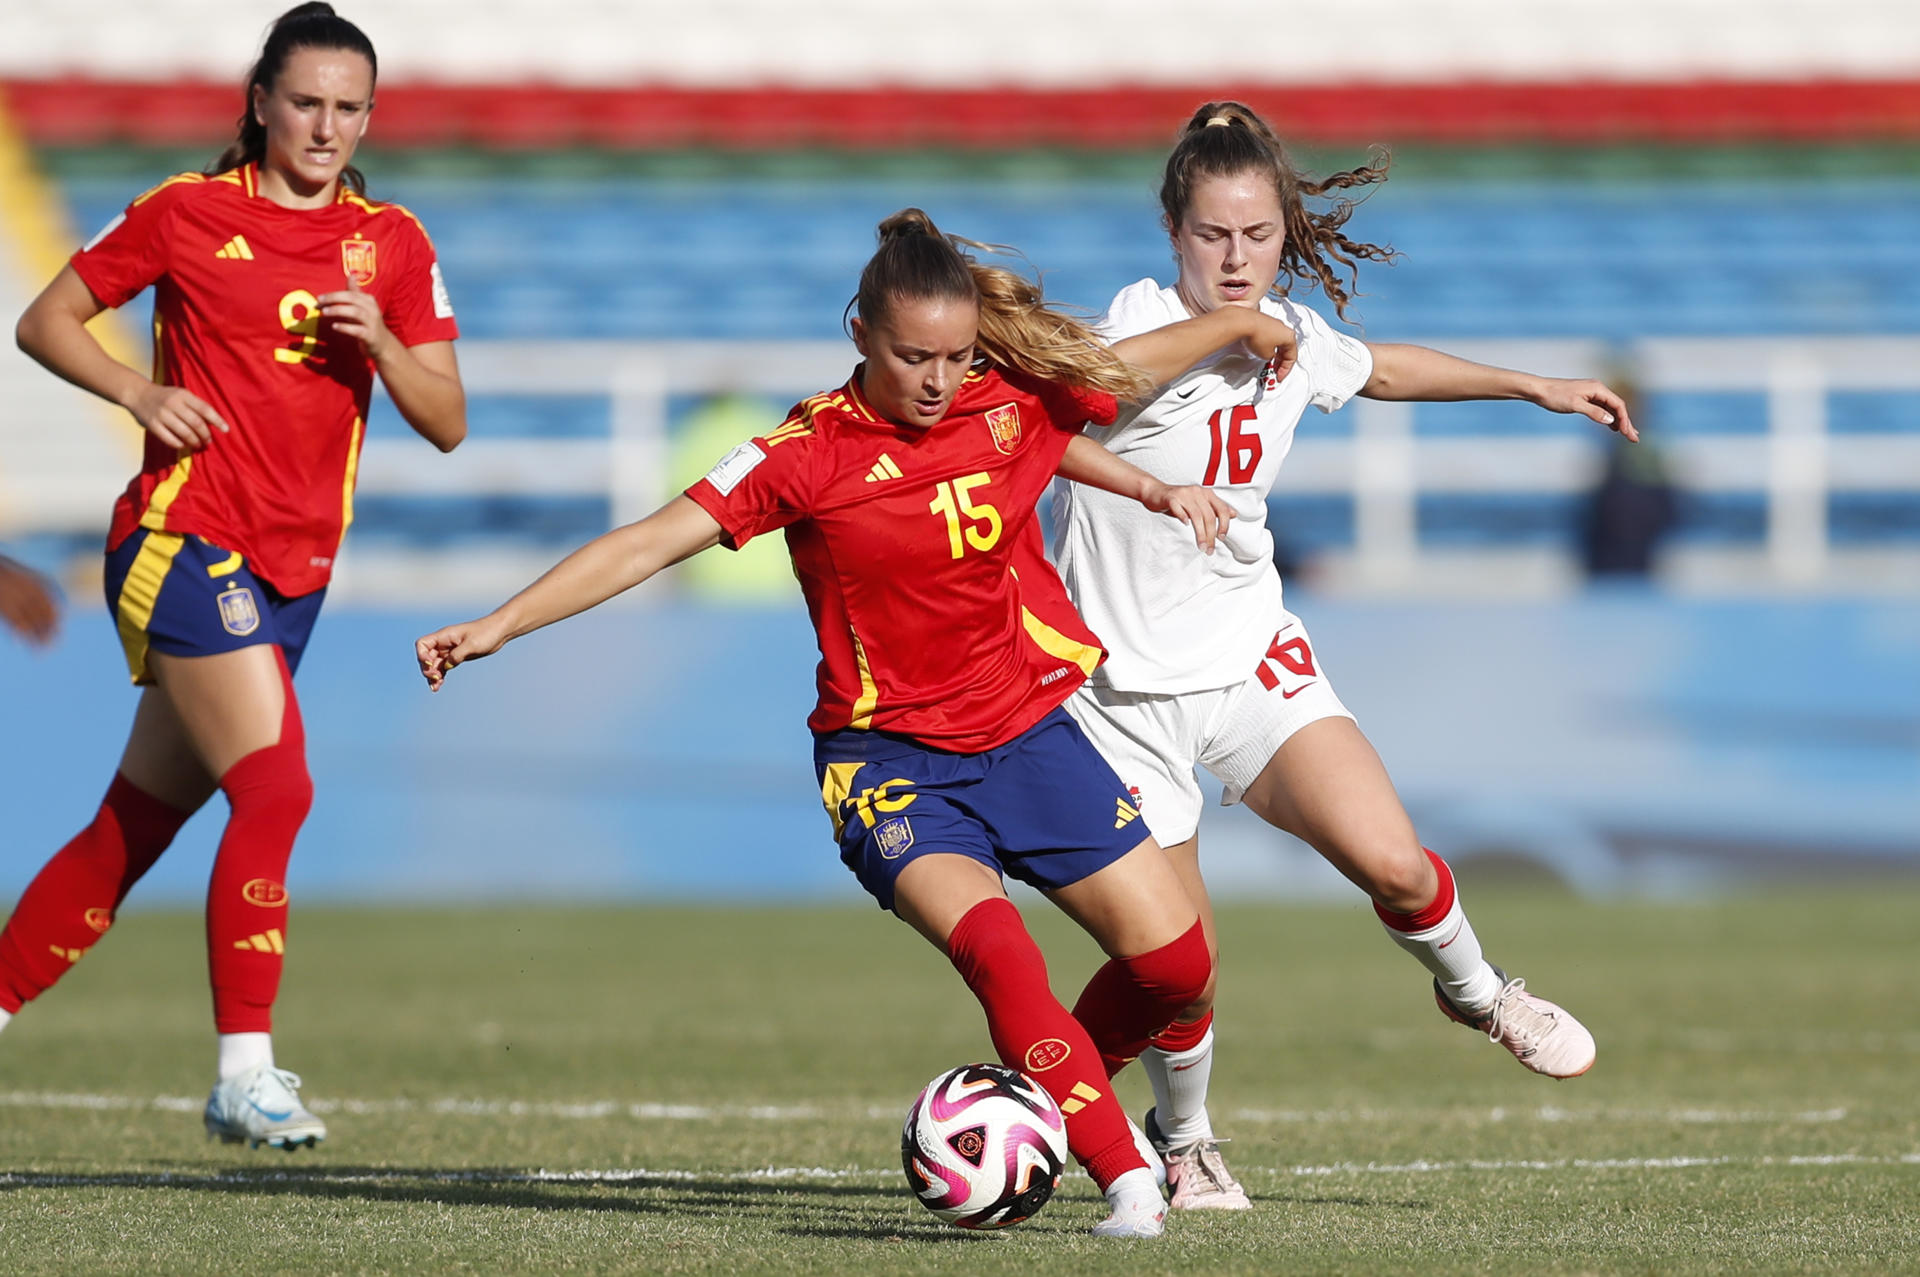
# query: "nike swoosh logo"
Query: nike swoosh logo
269,1114
1449,940
1287,696
1182,1068
1188,393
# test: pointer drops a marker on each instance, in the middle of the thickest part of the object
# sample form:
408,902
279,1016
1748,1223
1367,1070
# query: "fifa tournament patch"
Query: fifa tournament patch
442,303
734,467
358,260
238,614
894,837
1004,423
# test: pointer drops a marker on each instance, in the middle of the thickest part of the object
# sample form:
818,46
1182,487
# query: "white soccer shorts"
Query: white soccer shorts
1155,741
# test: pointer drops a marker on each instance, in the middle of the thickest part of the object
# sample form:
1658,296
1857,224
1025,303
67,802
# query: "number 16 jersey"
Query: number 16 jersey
236,317
1176,619
938,616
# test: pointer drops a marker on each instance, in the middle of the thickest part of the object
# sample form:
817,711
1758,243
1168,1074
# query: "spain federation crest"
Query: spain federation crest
357,259
238,613
1004,422
894,837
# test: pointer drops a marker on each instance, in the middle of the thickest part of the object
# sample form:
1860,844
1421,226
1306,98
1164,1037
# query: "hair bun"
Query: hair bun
311,9
907,223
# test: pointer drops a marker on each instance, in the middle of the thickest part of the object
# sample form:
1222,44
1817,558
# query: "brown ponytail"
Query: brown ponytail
1224,139
305,26
1018,329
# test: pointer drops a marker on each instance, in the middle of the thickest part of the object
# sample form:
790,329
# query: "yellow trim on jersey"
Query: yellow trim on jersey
155,517
1054,643
231,177
33,222
353,473
139,594
175,180
869,692
226,567
835,788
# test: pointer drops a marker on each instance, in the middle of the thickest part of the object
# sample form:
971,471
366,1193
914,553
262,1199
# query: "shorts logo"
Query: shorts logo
99,919
356,258
1124,813
238,614
1004,422
894,837
1133,792
1046,1054
264,892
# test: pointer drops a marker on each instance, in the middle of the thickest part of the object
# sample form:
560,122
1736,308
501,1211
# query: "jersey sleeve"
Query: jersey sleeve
419,309
1069,407
1337,365
130,252
758,487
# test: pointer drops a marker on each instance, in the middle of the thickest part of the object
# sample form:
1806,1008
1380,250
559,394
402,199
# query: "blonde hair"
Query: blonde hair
1019,331
1223,139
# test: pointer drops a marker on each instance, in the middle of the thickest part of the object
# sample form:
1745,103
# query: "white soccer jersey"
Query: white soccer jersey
1174,618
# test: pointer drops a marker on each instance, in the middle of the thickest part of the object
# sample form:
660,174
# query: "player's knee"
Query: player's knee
1404,882
273,780
1176,975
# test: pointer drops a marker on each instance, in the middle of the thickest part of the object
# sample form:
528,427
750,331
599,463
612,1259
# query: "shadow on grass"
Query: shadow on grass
665,1192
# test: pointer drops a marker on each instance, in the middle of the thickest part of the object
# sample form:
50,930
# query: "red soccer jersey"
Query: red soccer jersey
236,321
918,553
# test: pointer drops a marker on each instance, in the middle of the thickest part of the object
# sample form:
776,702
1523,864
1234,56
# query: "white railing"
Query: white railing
1383,465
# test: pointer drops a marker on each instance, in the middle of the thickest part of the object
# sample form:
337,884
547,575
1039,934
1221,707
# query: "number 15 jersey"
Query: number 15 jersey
236,318
1176,619
937,614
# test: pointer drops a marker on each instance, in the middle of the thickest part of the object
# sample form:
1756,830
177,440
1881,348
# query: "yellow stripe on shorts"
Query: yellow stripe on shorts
139,594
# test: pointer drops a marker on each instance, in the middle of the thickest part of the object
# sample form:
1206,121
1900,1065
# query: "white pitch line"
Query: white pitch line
819,1174
601,1110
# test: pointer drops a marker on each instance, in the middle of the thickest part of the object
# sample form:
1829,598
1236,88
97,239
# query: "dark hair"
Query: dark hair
1018,330
1227,138
305,26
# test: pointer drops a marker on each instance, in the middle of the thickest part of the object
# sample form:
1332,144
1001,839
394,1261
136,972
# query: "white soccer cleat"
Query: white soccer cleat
262,1106
1197,1174
1138,1209
1541,1035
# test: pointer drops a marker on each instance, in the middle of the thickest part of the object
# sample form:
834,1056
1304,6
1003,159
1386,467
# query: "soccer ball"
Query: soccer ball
984,1146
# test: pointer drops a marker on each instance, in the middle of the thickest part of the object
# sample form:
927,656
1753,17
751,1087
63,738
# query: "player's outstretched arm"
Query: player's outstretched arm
424,380
598,570
54,332
1415,372
1087,462
28,604
1169,351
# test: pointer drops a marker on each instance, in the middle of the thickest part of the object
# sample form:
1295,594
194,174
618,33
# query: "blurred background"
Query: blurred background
1683,668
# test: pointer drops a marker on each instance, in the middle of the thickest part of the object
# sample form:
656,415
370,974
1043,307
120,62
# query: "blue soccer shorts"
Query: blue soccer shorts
182,595
1044,808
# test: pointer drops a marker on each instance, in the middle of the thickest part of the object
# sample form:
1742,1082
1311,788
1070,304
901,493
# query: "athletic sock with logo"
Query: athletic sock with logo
270,793
1442,940
1179,1065
1032,1032
1129,1000
71,902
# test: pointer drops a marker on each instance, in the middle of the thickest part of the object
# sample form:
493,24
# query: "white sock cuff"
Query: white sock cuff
1198,1051
242,1051
4,1017
1450,922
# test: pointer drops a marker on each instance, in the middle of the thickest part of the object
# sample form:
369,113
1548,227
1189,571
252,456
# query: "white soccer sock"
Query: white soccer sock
5,1016
242,1051
1135,1191
1179,1082
1451,951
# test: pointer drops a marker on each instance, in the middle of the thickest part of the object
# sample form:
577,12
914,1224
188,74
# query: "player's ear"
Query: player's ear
860,336
260,106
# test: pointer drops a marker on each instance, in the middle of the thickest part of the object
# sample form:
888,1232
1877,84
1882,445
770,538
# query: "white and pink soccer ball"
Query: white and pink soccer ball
984,1146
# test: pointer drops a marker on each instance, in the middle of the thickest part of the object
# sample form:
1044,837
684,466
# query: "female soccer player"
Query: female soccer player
1208,668
947,646
281,290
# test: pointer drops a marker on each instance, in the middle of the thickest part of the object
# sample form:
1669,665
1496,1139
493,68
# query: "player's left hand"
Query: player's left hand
1200,508
28,604
1590,399
354,312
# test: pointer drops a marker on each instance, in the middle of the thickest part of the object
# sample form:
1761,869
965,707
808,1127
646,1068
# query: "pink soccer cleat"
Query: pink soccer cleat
1541,1036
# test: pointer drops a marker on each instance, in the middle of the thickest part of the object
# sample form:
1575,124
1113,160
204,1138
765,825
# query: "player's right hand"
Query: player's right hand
28,605
176,417
443,649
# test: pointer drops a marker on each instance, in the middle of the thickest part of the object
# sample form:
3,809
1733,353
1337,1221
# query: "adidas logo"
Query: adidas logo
265,942
883,469
1081,1096
71,955
1124,813
236,250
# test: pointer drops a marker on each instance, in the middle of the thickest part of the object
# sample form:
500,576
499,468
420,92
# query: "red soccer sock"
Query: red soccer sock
1131,999
270,793
1183,1035
71,902
1436,909
1032,1032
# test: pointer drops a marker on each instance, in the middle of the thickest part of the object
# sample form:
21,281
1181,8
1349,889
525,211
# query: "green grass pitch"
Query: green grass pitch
719,1091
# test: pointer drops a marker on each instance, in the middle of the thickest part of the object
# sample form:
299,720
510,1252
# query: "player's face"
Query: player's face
314,116
1228,244
916,358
